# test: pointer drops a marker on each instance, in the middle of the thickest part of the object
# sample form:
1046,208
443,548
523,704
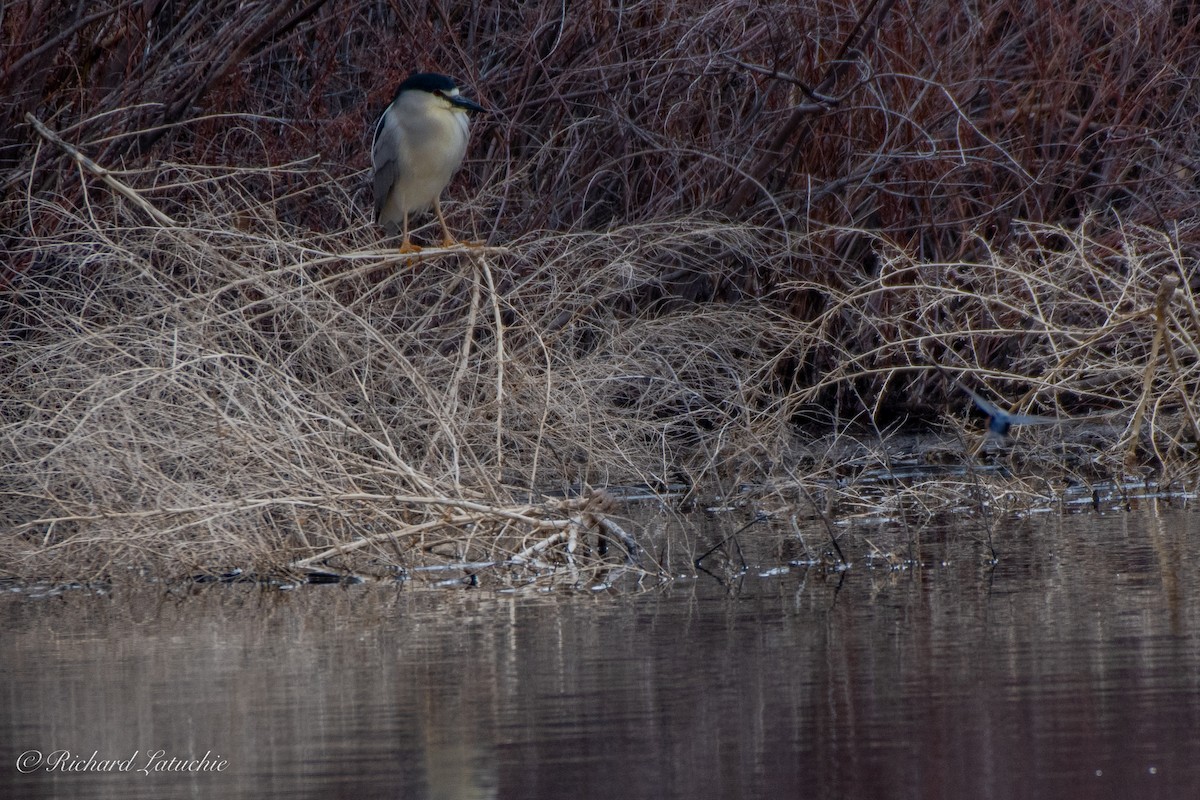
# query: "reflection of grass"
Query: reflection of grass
701,234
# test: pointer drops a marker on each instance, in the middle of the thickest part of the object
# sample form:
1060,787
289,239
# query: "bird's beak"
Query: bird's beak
464,103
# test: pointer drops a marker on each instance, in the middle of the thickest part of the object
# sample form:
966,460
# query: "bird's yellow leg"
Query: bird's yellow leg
448,239
406,245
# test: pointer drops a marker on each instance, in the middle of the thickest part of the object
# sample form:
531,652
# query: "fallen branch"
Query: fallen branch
102,173
526,555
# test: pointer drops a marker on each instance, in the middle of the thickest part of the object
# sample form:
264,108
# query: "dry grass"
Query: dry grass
232,392
703,232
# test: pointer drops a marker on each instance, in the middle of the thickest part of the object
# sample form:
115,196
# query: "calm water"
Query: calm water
1072,669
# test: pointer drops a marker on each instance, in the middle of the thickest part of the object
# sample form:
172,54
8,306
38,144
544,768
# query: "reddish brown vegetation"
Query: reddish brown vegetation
940,125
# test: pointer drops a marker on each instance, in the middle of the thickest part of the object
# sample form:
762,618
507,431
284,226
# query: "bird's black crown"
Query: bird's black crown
430,82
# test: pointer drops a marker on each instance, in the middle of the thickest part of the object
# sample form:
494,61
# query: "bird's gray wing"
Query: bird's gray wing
383,158
999,420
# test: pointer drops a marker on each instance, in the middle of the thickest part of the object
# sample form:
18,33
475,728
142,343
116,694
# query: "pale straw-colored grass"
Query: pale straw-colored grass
230,391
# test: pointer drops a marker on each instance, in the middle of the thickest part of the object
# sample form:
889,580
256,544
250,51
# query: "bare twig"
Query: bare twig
102,173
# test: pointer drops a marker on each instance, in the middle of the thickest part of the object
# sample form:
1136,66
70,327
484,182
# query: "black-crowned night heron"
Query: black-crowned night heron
419,144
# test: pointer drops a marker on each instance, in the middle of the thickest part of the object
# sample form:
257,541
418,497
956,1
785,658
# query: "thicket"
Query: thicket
708,225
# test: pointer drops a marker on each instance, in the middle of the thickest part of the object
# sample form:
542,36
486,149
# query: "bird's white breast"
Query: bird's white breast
431,144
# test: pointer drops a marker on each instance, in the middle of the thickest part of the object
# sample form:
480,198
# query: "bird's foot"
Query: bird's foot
409,247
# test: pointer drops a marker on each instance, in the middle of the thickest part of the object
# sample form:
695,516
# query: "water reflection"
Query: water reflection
1071,669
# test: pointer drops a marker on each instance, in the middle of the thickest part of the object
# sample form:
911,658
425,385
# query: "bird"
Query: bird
1000,422
419,143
